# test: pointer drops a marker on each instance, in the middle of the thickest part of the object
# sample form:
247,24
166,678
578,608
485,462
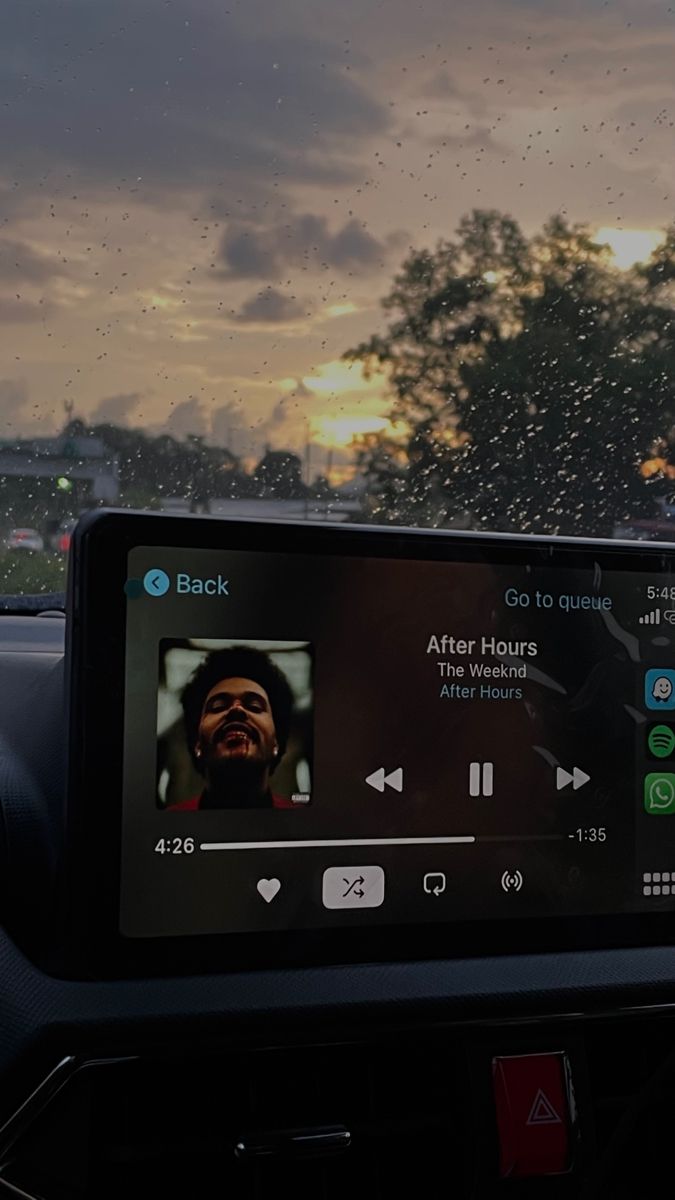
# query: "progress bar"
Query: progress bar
422,841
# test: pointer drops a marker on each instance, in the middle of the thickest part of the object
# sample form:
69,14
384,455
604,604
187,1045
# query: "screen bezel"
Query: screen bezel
96,628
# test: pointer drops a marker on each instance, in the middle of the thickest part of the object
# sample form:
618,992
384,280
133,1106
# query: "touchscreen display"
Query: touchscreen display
326,741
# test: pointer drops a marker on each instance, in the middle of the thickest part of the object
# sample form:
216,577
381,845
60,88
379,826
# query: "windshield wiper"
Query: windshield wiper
36,604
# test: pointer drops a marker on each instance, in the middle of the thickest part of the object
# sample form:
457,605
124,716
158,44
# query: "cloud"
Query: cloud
138,93
186,417
19,262
285,424
226,426
21,418
300,391
23,266
250,251
473,136
278,418
116,409
14,310
439,86
13,402
272,307
17,202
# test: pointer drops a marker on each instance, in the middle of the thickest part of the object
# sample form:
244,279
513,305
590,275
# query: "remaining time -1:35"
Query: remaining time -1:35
589,833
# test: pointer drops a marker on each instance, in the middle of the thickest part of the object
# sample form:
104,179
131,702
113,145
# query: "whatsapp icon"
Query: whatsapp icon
659,793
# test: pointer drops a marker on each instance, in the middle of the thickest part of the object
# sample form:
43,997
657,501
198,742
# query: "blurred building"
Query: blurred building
70,460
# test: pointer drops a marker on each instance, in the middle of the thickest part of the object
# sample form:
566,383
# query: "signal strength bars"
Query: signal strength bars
650,618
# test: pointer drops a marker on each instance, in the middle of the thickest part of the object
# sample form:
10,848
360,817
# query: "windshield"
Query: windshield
370,261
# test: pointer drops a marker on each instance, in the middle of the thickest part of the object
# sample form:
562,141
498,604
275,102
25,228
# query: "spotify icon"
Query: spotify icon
661,741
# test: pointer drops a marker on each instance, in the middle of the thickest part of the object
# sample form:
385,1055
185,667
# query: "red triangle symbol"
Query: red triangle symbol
542,1111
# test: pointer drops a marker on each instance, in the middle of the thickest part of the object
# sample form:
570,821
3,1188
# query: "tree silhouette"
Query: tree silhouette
533,378
278,476
164,466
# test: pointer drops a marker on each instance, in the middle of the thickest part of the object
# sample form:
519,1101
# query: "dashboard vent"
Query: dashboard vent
170,1128
381,1117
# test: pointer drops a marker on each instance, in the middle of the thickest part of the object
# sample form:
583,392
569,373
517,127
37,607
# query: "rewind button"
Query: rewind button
379,779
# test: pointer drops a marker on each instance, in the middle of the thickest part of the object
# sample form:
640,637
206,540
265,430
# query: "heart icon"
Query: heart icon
268,888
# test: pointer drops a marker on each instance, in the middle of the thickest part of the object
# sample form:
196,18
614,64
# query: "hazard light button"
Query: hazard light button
535,1114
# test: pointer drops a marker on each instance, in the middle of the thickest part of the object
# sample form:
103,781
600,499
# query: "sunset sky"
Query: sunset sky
202,201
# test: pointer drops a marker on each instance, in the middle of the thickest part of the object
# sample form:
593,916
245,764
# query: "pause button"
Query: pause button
481,778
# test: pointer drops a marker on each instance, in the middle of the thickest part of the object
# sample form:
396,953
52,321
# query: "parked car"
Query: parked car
25,539
60,540
645,530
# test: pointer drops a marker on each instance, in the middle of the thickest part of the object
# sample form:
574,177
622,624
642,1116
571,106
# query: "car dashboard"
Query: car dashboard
323,1080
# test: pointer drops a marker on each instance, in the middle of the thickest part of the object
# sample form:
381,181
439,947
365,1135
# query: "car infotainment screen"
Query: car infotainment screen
340,734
